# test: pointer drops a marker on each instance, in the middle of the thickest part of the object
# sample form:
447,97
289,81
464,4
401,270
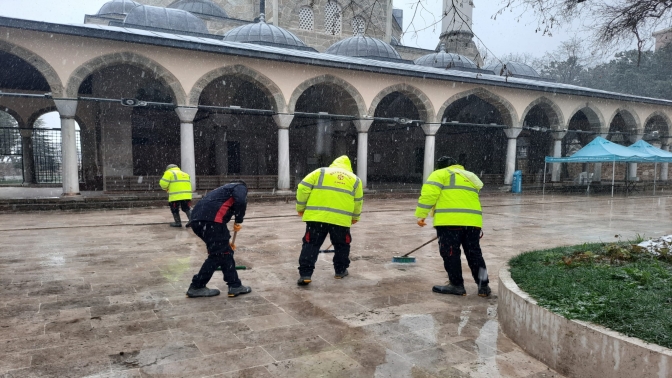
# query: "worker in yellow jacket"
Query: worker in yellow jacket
329,200
178,186
451,194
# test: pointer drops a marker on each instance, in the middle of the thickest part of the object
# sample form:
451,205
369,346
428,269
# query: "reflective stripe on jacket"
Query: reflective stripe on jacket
177,183
453,194
331,195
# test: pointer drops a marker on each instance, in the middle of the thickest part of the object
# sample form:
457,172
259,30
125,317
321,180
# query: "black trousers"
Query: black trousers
315,234
450,240
176,205
216,237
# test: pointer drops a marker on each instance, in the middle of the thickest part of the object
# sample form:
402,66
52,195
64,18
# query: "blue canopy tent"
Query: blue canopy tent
660,156
601,150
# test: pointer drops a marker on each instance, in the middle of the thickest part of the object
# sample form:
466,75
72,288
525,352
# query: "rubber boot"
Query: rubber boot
202,292
236,291
450,289
189,219
178,221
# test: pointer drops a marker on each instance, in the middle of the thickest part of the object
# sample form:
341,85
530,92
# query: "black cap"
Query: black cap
445,161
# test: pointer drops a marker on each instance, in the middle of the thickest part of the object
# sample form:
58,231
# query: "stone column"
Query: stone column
362,126
632,167
664,166
557,152
283,121
27,156
430,130
70,170
512,135
187,154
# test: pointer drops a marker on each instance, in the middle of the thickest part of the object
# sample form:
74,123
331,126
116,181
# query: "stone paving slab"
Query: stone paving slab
101,293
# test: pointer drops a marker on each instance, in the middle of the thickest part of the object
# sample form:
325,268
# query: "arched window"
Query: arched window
306,19
332,18
358,26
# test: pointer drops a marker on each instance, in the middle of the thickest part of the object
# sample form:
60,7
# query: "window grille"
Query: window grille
306,18
332,18
358,26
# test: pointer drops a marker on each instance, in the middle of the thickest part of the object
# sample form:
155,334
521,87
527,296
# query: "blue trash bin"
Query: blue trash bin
517,184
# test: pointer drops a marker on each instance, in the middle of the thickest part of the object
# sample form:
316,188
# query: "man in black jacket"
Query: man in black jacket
208,221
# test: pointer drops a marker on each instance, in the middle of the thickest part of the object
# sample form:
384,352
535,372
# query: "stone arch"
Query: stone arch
48,109
630,117
327,79
662,115
594,115
164,76
14,114
267,85
40,65
552,110
507,111
419,99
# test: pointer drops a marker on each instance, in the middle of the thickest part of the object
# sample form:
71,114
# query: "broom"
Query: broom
405,259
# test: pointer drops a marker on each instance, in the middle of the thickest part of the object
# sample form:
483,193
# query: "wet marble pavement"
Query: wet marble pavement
101,293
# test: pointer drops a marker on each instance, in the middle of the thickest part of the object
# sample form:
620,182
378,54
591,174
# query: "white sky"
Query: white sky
501,36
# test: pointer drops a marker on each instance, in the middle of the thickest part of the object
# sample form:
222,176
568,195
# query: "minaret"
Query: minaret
456,29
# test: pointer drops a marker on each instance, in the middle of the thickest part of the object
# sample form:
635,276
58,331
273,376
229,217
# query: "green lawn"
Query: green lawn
619,286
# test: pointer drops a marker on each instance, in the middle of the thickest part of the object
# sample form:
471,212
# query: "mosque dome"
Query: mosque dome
442,59
200,7
514,69
395,42
117,7
364,47
165,18
264,34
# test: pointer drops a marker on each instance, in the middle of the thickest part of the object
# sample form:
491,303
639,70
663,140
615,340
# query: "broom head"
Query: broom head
403,260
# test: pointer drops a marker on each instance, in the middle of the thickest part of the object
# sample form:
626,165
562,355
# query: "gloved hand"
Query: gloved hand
354,221
300,213
421,222
237,227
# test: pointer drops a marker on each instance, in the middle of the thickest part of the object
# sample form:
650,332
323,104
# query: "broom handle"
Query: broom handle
233,241
420,246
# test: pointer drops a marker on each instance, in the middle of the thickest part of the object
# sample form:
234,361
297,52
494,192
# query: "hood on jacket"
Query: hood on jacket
342,162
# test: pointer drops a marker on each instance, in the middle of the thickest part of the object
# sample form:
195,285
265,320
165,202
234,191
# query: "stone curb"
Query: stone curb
575,348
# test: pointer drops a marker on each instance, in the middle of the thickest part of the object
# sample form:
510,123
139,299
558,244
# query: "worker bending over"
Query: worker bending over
208,221
329,200
452,192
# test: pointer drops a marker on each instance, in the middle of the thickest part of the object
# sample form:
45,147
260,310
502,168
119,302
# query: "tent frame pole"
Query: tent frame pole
613,176
543,190
655,169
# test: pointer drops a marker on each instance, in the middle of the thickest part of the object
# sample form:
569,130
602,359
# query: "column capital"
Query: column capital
431,128
362,125
67,108
186,113
558,135
512,132
283,120
26,133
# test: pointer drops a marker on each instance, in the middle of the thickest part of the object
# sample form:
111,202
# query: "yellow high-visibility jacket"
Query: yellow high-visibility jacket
453,194
177,183
331,195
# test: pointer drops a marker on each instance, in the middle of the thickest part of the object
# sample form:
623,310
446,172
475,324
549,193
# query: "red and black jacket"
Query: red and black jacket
222,204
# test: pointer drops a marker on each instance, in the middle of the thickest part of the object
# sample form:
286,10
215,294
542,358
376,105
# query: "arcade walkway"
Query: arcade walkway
101,294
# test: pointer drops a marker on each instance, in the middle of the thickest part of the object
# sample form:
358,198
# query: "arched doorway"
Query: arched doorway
11,150
468,135
396,150
46,148
582,128
317,139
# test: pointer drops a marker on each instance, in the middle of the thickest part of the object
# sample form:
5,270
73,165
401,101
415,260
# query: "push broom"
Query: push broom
405,259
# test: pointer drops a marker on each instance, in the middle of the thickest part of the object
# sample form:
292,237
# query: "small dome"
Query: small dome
364,47
165,18
395,42
200,7
264,34
445,60
514,69
117,7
